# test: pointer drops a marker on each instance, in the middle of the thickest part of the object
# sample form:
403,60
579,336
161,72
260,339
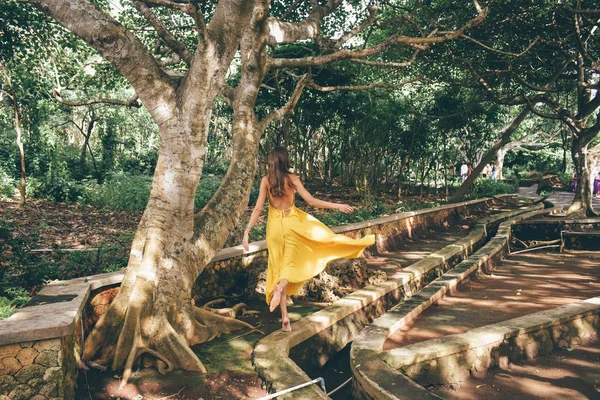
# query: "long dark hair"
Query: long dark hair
279,171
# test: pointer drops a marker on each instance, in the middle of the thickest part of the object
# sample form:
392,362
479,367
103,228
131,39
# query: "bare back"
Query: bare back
282,202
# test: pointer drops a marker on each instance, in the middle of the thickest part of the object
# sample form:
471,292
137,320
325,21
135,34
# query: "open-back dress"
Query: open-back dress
300,246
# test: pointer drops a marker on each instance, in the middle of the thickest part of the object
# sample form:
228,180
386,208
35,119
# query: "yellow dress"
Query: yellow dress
300,246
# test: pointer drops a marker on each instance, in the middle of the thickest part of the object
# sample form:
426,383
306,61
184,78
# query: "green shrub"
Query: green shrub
23,269
60,189
131,192
374,210
6,308
17,297
566,178
71,265
489,187
207,187
120,192
7,186
413,205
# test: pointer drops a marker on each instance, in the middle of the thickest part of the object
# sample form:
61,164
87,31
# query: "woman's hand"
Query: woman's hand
245,241
345,208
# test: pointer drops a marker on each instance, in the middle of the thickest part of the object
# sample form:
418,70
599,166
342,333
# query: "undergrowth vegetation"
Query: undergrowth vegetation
24,271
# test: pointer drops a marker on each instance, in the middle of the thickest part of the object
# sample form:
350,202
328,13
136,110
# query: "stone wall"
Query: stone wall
376,374
33,370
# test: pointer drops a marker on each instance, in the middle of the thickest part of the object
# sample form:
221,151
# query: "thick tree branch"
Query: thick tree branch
591,106
133,102
389,64
119,46
167,37
417,42
288,107
228,94
315,86
182,6
279,32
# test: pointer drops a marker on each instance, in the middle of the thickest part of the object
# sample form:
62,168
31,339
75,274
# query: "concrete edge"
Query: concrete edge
372,338
270,364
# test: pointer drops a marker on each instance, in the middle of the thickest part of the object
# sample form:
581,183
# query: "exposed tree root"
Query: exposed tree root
231,312
124,334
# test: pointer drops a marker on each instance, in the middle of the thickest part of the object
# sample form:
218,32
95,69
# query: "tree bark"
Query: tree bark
582,203
23,185
500,162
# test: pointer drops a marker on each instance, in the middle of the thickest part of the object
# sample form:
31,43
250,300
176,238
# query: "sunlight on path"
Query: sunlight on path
559,199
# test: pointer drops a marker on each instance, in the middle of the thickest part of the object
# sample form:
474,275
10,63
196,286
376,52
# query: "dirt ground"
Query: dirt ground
567,375
521,284
46,224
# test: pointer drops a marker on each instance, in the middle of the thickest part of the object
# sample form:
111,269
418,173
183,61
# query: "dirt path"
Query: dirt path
520,285
559,199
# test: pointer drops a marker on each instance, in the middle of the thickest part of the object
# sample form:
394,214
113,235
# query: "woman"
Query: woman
299,245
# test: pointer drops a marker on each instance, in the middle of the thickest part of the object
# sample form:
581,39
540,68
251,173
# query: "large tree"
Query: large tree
178,80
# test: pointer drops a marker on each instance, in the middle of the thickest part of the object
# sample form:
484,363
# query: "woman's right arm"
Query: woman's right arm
260,202
313,202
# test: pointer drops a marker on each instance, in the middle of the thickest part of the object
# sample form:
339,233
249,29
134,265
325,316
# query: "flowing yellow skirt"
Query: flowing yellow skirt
300,246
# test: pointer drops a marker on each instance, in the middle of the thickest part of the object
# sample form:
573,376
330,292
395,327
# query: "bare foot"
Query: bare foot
286,326
276,298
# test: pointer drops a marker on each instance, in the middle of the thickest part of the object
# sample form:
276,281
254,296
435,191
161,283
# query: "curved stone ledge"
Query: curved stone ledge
338,324
455,358
373,375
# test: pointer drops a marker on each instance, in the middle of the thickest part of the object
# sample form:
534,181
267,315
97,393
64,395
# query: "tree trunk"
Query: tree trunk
489,156
153,312
500,163
23,185
582,203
